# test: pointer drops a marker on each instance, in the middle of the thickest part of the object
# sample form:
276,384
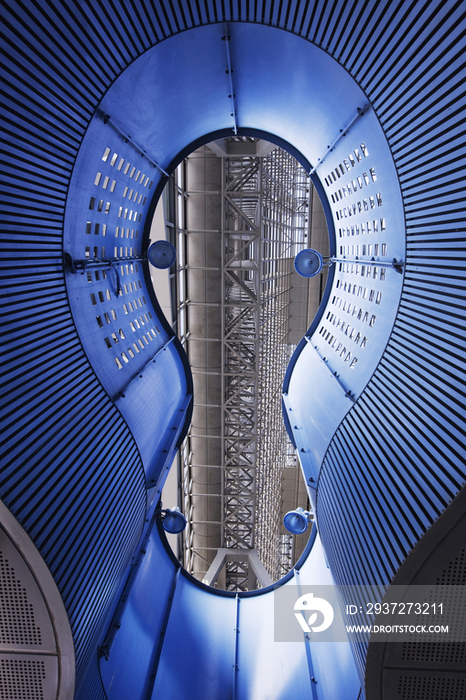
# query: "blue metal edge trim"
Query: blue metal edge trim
161,316
323,304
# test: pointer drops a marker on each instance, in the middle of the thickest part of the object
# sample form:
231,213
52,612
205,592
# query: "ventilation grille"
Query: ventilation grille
21,680
434,652
17,623
455,573
455,653
418,688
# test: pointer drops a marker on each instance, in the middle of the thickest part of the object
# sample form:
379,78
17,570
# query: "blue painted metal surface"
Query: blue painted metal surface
226,642
73,471
202,628
135,355
135,651
333,661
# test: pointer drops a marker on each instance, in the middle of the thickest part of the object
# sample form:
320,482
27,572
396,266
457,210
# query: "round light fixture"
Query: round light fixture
174,521
296,520
308,262
161,254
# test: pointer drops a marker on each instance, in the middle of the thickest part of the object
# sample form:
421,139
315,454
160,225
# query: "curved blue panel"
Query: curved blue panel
136,649
226,643
71,472
201,626
155,102
342,351
280,669
73,475
126,339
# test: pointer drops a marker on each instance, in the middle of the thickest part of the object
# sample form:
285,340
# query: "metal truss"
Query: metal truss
263,224
241,271
265,214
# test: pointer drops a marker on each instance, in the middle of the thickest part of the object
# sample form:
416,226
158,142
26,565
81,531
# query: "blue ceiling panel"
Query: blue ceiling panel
135,650
201,632
77,454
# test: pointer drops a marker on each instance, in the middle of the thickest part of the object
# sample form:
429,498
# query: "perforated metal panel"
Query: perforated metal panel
434,652
35,648
25,623
17,620
430,652
455,573
422,688
20,678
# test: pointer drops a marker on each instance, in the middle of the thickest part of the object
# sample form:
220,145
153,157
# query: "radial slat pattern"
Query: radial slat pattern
60,59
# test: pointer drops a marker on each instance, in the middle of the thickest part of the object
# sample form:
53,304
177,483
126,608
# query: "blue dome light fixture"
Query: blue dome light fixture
296,521
308,262
161,254
174,521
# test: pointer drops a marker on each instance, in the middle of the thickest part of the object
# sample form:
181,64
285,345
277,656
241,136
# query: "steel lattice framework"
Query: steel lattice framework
266,208
264,223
